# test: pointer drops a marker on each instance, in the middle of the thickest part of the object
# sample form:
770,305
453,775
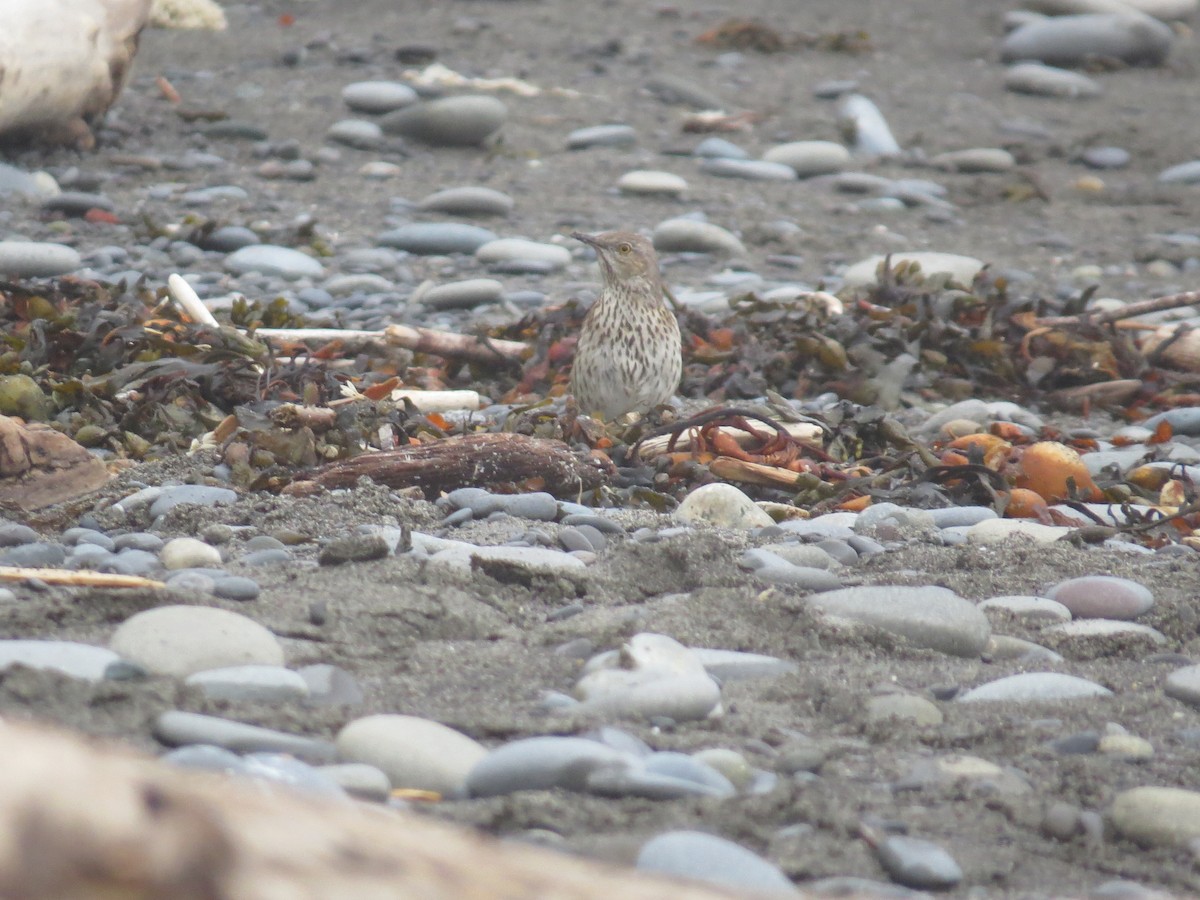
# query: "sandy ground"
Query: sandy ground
476,653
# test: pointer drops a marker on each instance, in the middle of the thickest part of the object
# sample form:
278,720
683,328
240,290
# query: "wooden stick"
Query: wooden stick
419,340
80,578
1140,308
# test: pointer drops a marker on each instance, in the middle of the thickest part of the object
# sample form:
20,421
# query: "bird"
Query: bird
629,356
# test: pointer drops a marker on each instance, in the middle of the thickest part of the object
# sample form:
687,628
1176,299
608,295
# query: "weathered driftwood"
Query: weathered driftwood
77,578
40,466
63,63
499,462
80,821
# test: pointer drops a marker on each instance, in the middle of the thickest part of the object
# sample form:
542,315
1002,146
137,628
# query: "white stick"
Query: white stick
187,299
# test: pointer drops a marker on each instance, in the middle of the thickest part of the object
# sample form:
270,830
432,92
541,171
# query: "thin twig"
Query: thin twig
1140,308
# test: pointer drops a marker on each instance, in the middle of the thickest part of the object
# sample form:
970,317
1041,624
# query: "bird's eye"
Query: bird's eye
625,248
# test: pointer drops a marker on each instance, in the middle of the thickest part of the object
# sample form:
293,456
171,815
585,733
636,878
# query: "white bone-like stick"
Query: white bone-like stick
181,292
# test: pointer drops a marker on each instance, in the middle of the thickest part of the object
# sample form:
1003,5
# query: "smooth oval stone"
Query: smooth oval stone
863,124
175,728
237,587
1184,684
651,182
1102,597
468,200
719,147
1105,157
932,617
266,684
378,96
905,708
722,505
688,768
283,769
1050,81
918,863
1033,609
78,660
197,494
538,505
601,136
181,640
962,269
363,282
978,159
357,133
437,238
749,169
26,184
413,752
510,249
691,236
464,121
706,857
736,665
809,158
267,259
1184,173
1034,687
540,763
330,685
1105,631
229,238
37,259
463,294
1157,816
994,531
189,553
1071,40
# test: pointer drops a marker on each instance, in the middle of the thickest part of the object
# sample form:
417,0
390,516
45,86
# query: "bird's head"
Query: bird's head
623,255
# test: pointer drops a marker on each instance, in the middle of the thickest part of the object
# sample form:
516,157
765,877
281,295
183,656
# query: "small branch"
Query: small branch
79,578
1130,310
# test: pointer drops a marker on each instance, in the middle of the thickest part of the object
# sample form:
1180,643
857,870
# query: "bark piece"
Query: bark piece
505,463
40,466
80,821
63,63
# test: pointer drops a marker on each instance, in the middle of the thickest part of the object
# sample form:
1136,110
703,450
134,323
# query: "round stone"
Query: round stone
1102,597
520,249
1157,816
37,259
809,158
1049,81
189,553
463,121
1032,609
437,238
413,752
468,200
929,616
540,763
1035,687
378,96
181,640
706,857
462,294
1073,40
904,708
602,136
268,259
692,236
651,182
722,505
1184,684
357,133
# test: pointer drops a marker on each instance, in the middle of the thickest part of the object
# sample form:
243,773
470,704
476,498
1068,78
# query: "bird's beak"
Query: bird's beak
585,238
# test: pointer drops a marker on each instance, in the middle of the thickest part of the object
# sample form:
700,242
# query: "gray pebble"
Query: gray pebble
719,148
1184,173
918,863
13,534
706,857
809,158
357,133
464,121
175,728
330,685
77,203
1105,157
521,250
468,201
353,548
236,587
1034,687
1050,81
749,169
37,259
437,238
39,554
262,684
267,259
689,235
77,660
378,97
1072,40
933,617
463,294
602,136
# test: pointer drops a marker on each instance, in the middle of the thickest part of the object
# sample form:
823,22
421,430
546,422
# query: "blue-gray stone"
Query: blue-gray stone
37,259
437,238
194,494
82,661
268,259
719,148
236,587
175,728
706,857
601,136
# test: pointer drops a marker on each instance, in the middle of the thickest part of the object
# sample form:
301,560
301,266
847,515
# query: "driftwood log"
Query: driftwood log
40,467
62,65
79,821
504,463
